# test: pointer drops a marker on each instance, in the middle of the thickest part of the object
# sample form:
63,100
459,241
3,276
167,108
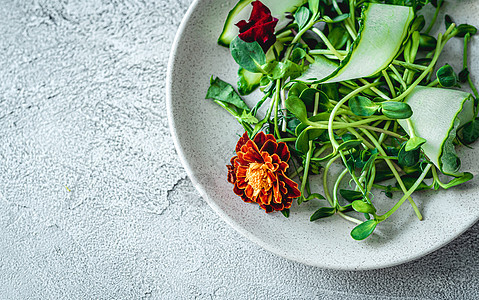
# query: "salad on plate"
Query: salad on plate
355,83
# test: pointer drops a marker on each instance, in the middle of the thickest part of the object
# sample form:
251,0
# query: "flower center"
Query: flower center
257,177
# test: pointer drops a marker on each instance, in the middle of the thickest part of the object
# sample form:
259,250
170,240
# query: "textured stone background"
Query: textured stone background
93,200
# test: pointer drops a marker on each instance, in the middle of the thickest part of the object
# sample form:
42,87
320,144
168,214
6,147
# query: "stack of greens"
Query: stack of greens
355,82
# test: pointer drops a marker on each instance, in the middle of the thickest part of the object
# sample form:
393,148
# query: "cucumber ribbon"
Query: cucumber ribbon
381,36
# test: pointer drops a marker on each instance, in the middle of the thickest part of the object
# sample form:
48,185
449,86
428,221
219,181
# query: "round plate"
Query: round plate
205,136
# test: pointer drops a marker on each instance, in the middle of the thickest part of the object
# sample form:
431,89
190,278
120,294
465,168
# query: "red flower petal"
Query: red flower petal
242,141
269,146
260,26
283,151
231,174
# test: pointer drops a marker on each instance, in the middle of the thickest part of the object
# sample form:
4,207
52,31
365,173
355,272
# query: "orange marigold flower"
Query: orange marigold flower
258,172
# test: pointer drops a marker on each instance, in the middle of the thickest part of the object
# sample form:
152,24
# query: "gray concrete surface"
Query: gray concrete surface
94,203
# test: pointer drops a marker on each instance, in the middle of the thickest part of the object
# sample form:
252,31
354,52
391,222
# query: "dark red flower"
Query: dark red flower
260,26
258,172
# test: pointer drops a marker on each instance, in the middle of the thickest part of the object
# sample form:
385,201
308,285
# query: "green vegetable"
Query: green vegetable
321,213
224,92
249,56
364,230
380,38
446,76
446,111
248,81
363,101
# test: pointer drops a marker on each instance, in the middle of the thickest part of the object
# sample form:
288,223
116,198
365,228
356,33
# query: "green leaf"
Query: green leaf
369,163
470,132
408,158
459,180
248,81
351,195
297,55
418,24
464,29
448,21
446,76
297,89
338,37
248,118
301,17
323,212
463,75
409,181
279,70
296,106
396,110
414,143
339,18
412,46
285,213
331,90
309,98
265,81
349,145
382,175
224,92
362,106
364,230
300,128
427,42
302,142
310,197
314,6
363,207
248,55
347,137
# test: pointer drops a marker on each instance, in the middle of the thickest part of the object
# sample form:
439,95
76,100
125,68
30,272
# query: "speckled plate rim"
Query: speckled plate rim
200,188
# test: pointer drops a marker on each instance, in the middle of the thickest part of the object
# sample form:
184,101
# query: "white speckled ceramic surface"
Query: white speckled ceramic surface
205,137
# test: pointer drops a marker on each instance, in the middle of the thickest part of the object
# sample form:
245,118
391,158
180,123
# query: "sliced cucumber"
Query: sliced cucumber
381,36
242,11
248,81
438,113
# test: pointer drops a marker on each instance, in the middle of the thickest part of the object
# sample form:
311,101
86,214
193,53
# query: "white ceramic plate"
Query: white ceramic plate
205,137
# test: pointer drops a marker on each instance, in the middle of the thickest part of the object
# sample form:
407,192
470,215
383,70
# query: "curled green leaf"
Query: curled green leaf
446,76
